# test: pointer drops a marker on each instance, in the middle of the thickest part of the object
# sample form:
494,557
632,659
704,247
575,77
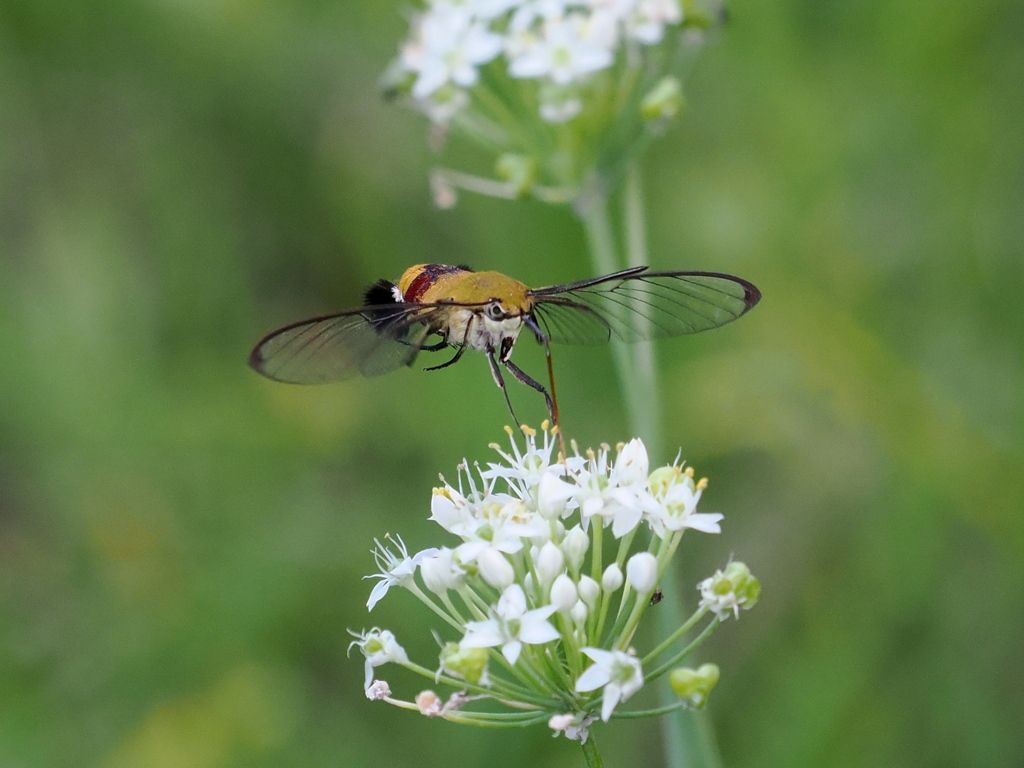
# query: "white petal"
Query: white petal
379,590
593,678
612,694
535,630
482,634
510,650
626,519
604,658
512,603
705,521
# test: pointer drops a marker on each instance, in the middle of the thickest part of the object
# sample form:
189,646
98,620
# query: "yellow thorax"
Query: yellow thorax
464,287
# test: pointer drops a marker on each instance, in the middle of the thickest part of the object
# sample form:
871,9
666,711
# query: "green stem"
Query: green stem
648,418
685,652
593,211
664,645
689,741
593,757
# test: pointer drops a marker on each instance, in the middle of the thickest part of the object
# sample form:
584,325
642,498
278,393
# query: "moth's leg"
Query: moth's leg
523,377
455,358
496,373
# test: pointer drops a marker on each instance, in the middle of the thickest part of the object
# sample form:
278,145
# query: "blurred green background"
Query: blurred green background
181,542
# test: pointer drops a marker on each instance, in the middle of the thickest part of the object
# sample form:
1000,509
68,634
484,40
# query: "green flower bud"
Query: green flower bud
745,584
469,664
520,171
662,479
694,685
664,101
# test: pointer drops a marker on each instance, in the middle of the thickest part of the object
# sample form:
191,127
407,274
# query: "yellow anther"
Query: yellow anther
528,431
619,447
545,425
508,430
702,484
688,472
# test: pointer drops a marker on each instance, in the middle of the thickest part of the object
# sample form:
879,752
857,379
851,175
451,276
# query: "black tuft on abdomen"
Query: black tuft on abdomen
380,293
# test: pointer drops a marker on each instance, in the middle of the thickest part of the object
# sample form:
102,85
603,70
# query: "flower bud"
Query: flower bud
549,563
441,572
589,590
428,703
642,572
378,690
694,685
468,664
442,191
612,578
520,171
563,594
664,101
579,613
495,569
575,546
662,479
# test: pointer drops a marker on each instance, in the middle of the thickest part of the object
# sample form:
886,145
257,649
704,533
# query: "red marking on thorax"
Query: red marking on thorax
425,279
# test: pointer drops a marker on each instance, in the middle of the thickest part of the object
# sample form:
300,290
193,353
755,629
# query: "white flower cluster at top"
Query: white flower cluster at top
530,586
557,44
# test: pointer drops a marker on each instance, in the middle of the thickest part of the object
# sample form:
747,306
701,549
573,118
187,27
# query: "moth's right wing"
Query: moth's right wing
369,341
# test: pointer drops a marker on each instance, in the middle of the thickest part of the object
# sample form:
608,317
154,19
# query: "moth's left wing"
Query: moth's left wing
635,304
369,341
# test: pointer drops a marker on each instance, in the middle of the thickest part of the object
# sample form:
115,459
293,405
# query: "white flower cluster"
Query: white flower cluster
557,44
530,587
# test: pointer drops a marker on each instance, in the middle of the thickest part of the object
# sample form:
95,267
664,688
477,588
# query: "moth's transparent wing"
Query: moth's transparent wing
636,304
368,341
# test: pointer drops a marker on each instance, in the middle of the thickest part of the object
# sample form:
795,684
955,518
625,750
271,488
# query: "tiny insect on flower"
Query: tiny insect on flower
438,306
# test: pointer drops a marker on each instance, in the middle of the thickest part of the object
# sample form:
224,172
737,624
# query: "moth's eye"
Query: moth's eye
495,312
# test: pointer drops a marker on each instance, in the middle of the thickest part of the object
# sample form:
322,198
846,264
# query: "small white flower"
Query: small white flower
379,647
448,47
512,626
449,508
525,470
671,504
396,568
617,672
554,495
598,496
730,590
631,465
567,50
646,24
